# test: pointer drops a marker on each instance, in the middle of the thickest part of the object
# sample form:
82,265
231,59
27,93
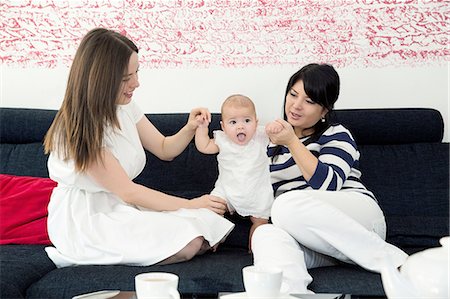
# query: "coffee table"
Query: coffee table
302,296
132,295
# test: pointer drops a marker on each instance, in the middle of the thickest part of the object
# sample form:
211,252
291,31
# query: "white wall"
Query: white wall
180,89
197,52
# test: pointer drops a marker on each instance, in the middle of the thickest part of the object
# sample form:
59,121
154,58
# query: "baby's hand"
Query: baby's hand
199,117
274,128
281,132
201,121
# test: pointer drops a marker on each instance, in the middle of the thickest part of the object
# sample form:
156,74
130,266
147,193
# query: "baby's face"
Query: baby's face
239,124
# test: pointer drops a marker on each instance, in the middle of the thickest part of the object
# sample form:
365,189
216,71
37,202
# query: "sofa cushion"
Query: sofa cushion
360,281
26,159
31,123
392,125
21,266
203,276
23,209
189,175
400,177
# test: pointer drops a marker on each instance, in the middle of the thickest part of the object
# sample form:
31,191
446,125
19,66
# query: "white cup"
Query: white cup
262,282
156,285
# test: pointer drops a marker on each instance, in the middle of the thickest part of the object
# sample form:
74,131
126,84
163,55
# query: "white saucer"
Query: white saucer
98,295
243,295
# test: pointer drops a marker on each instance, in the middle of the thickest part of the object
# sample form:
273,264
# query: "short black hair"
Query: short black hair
321,83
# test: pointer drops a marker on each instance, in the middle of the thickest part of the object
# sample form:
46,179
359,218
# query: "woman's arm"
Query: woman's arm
110,174
336,157
168,147
281,132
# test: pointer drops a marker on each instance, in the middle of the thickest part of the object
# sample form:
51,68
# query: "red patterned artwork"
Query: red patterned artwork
233,33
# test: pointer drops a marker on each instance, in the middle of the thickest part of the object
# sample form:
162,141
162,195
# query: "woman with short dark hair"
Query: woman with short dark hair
322,212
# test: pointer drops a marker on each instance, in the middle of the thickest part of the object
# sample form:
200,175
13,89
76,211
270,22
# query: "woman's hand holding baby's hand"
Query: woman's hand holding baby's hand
202,122
199,117
281,132
273,128
211,202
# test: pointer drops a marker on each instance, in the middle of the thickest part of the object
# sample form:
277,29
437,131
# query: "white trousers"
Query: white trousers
314,228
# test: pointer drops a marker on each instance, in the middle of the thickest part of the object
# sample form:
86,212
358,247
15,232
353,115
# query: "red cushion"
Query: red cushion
23,209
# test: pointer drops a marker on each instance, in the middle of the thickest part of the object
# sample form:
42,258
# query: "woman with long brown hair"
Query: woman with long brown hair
97,214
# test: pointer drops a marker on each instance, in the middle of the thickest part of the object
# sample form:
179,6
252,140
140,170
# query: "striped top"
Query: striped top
338,168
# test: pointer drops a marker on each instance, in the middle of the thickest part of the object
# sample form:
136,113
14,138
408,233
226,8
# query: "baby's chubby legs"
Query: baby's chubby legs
255,223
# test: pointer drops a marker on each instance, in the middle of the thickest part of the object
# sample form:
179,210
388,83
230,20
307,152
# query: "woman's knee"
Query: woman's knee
292,209
265,236
278,209
261,234
270,241
289,206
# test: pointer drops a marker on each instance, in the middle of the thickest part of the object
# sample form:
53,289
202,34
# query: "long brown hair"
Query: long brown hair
90,101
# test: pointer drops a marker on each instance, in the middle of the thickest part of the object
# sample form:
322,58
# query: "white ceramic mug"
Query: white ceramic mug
156,285
262,282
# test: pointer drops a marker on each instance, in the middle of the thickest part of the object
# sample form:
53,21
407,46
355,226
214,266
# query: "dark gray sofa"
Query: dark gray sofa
403,160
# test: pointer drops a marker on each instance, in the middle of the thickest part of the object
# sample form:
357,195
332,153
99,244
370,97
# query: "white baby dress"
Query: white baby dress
244,176
89,225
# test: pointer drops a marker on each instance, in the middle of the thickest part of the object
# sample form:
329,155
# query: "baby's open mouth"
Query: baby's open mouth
241,137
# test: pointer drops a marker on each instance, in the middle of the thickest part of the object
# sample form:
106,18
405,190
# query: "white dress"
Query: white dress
89,225
244,176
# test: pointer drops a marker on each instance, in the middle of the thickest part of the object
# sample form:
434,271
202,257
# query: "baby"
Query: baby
244,177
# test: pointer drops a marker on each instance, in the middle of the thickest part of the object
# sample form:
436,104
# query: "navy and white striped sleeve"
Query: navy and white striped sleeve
337,155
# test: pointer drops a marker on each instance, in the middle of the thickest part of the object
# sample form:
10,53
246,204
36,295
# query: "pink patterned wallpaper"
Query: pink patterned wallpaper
233,33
